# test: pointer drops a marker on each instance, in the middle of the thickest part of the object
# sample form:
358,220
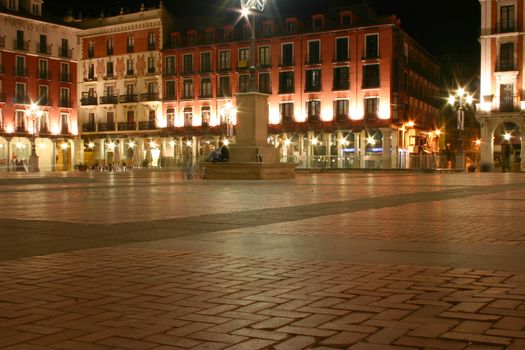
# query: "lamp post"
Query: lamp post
34,114
247,8
460,101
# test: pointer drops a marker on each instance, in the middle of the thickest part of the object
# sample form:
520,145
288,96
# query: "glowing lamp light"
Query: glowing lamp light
370,140
287,142
10,129
131,144
507,136
470,99
410,124
173,143
226,142
314,141
461,92
42,145
438,132
153,144
343,141
245,11
64,146
478,142
451,100
188,143
91,145
19,145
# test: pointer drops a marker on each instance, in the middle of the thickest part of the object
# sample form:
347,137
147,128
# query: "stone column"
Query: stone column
395,148
357,149
309,149
8,155
340,146
140,149
522,155
362,149
487,146
100,152
327,140
386,160
194,149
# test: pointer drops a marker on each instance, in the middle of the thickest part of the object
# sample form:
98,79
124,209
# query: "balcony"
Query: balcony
43,49
169,72
188,71
205,96
88,127
21,45
108,100
65,103
65,52
90,77
21,128
152,96
505,27
171,97
130,73
129,98
151,71
341,85
371,84
313,60
286,90
147,126
65,130
506,66
24,100
106,127
44,101
127,126
88,100
341,59
205,70
44,75
21,71
65,77
313,88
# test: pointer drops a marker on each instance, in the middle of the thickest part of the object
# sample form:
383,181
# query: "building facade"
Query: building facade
501,107
37,88
343,87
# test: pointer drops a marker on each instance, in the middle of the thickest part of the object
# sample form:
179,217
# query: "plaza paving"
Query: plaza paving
378,261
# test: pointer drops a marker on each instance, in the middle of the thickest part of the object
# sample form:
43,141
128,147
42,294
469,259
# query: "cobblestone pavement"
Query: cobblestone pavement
333,261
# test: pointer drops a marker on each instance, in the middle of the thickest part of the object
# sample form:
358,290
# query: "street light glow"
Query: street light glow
507,136
470,99
461,92
451,100
371,140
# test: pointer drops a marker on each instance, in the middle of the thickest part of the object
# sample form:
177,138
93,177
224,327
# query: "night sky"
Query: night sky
447,27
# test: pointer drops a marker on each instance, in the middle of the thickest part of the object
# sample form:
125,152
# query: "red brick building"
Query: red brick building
342,84
37,69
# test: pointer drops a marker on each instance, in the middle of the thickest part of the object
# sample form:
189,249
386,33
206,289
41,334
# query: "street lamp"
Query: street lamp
34,114
460,101
247,8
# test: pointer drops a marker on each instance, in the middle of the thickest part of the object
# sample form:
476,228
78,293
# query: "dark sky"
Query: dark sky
443,27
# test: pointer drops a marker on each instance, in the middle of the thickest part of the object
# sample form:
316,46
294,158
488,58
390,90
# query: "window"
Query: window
506,57
264,83
91,72
131,44
341,49
130,70
110,119
205,87
151,65
43,95
91,50
371,105
188,63
64,72
175,40
170,116
291,27
507,18
109,69
341,78
264,56
345,20
286,82
129,90
267,29
224,87
314,55
170,90
64,98
287,55
42,45
244,57
188,116
313,80
205,62
43,72
91,121
317,23
20,43
192,38
246,32
341,109
109,46
130,117
371,76
209,36
313,110
206,116
372,46
228,33
224,60
20,66
152,41
286,112
170,65
188,91
244,82
35,9
64,122
20,121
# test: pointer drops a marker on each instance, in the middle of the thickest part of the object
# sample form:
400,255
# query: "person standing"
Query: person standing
187,162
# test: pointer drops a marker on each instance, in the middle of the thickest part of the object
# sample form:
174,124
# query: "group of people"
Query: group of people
221,154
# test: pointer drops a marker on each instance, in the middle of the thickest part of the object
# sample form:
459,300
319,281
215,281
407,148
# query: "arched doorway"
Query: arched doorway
507,147
64,153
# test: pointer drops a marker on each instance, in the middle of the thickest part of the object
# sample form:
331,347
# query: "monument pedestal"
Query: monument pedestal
251,158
